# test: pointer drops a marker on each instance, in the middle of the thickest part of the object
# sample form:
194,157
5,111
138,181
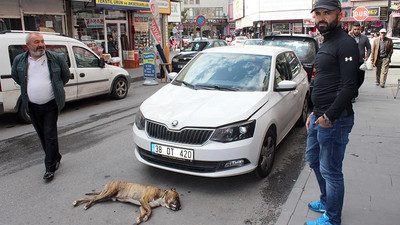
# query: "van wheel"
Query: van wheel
304,113
119,89
23,115
267,155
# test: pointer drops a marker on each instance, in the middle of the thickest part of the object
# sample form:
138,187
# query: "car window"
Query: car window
84,58
196,46
396,45
304,49
14,50
241,72
294,64
222,43
282,68
216,44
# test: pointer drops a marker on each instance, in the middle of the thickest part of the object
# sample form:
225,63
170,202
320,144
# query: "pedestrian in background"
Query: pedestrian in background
382,50
330,123
365,50
42,75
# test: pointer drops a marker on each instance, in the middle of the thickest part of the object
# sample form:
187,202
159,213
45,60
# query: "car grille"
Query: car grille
185,136
194,166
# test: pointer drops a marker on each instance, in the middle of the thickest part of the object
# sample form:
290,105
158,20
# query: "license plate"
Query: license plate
178,153
180,66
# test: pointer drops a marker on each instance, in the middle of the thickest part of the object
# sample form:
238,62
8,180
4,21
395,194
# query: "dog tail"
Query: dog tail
93,193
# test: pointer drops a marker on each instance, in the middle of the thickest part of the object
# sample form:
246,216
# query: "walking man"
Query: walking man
332,119
382,50
363,46
42,75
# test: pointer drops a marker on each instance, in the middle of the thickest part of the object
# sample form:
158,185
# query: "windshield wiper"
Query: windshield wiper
208,86
189,85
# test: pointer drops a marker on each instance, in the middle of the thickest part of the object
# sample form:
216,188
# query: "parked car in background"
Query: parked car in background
90,75
254,42
239,40
225,113
186,40
395,60
305,47
194,47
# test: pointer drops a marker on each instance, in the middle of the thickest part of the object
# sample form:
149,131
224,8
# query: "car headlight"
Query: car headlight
175,60
235,132
140,121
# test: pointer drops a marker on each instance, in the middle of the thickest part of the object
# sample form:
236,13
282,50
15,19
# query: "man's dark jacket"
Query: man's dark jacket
59,76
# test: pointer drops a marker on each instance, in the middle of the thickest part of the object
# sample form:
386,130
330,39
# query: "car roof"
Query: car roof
249,49
46,36
288,36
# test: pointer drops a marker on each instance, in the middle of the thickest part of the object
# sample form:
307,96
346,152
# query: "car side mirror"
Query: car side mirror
102,63
172,75
286,85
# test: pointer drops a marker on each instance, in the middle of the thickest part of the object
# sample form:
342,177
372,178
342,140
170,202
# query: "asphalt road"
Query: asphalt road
95,138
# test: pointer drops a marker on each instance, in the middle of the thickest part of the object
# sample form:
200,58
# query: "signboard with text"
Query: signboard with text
149,65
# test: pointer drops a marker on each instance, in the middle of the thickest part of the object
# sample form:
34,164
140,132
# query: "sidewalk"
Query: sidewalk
371,165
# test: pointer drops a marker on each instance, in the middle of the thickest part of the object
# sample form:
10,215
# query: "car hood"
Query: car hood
200,108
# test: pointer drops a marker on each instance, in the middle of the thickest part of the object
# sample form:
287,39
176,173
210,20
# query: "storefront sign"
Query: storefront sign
384,13
149,65
154,28
163,5
141,26
395,5
94,23
124,4
175,16
308,23
238,11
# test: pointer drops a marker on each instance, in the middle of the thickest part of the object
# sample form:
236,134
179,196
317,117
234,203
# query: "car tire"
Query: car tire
23,115
267,155
119,89
304,113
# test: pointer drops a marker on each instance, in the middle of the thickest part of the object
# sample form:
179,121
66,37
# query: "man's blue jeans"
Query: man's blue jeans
325,153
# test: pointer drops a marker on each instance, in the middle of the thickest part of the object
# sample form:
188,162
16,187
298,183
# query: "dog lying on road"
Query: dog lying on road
146,196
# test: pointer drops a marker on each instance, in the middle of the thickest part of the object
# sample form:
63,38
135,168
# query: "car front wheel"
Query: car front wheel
267,155
119,89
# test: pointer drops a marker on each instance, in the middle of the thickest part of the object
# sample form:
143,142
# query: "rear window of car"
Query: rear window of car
396,45
305,50
14,50
196,46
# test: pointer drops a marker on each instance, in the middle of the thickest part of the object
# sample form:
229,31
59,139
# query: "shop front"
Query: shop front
29,15
376,20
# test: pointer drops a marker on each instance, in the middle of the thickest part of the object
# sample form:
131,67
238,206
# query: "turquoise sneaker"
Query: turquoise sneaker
323,220
317,207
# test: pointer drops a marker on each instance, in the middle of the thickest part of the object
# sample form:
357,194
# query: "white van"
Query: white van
90,75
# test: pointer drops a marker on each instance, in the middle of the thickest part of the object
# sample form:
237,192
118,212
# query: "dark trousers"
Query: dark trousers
44,119
361,77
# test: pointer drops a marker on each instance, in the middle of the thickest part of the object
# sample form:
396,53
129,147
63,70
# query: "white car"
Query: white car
224,113
395,60
240,40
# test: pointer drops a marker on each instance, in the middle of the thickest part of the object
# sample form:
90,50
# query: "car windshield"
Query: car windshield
253,42
305,50
226,71
196,46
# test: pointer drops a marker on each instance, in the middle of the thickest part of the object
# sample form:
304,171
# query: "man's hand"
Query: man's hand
308,121
321,122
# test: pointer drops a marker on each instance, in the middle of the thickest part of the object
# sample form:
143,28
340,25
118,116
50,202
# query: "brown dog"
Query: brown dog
146,196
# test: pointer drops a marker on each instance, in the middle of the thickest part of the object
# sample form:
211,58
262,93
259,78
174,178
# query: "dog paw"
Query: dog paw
74,203
86,207
138,220
145,218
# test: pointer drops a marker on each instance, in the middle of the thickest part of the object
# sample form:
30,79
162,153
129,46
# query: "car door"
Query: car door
298,76
92,79
71,87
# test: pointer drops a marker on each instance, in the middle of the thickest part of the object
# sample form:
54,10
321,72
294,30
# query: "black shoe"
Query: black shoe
48,176
353,100
57,165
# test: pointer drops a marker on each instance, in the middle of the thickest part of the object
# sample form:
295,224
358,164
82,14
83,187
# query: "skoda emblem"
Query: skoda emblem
174,123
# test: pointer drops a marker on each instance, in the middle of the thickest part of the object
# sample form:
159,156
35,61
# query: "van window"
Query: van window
294,63
14,50
85,58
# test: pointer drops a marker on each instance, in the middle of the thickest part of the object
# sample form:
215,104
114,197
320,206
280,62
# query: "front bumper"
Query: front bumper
209,158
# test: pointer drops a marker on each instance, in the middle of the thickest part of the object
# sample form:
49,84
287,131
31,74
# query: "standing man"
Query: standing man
363,46
332,119
42,75
382,50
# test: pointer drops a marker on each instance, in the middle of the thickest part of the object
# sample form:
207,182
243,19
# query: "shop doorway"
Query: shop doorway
116,38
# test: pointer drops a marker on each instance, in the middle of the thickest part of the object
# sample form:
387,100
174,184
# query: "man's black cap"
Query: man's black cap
327,4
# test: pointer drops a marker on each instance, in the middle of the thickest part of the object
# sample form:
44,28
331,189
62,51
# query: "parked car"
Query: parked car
254,42
239,40
225,113
90,75
194,47
305,47
186,40
395,60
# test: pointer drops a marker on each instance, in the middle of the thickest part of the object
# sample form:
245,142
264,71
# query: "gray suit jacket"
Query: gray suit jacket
362,45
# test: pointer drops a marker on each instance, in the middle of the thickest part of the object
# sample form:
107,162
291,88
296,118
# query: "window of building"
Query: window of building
185,2
198,2
191,2
12,23
44,23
